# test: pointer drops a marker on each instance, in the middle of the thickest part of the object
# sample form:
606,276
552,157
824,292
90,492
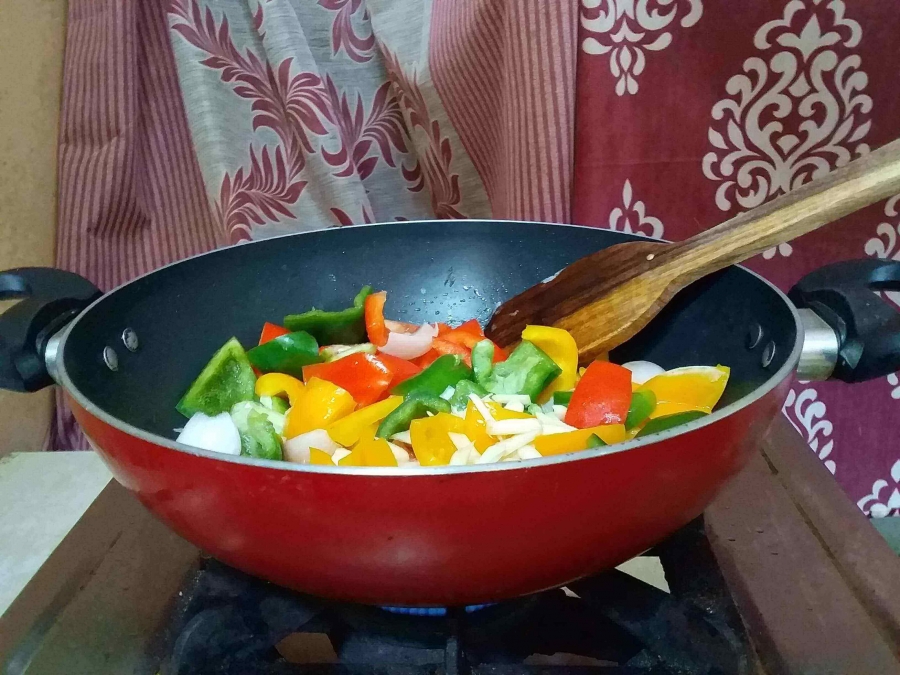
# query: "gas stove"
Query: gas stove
228,623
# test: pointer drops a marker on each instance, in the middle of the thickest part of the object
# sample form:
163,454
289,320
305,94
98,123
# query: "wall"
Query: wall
32,41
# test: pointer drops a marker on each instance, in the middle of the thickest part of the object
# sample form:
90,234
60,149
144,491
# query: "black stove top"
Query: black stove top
228,623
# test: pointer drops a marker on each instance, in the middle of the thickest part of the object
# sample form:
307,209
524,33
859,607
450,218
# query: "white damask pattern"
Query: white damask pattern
795,113
808,415
632,216
884,246
625,29
878,505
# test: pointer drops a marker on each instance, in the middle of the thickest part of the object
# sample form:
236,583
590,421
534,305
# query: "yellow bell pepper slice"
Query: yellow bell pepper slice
430,438
560,346
573,441
347,430
278,384
366,434
501,413
475,429
353,459
686,389
321,404
320,457
375,452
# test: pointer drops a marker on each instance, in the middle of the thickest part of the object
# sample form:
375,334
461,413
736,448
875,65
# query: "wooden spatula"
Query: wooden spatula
607,297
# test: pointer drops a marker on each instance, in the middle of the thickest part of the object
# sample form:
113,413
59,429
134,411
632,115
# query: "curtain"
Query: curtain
192,124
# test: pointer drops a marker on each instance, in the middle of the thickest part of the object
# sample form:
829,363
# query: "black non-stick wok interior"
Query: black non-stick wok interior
433,271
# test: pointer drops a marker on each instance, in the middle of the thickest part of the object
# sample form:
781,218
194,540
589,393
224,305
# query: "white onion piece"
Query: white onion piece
447,394
217,434
515,406
460,441
560,412
402,437
410,345
529,452
498,451
482,408
641,371
504,399
513,427
296,449
550,424
401,455
339,454
461,414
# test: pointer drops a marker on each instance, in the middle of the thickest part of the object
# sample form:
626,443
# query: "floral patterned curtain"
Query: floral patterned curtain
190,124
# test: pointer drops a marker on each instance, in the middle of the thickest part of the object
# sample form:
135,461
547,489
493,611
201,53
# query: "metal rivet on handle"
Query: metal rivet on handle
110,358
768,355
130,339
754,336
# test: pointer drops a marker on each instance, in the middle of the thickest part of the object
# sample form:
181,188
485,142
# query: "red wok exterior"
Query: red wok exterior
435,539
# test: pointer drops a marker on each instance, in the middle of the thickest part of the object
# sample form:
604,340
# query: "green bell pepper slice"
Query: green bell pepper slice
669,421
227,379
594,441
259,437
527,371
415,407
562,397
643,403
347,326
446,371
460,398
286,354
335,352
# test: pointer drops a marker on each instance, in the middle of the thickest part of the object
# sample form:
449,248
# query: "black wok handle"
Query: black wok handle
48,300
867,326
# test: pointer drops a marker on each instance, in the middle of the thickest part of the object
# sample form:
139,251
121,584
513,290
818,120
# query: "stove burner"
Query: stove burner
229,624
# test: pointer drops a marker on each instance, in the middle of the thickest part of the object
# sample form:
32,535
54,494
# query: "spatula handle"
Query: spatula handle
850,188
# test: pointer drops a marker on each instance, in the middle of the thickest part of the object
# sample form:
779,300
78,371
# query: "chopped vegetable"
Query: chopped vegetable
445,372
374,452
363,375
335,352
476,428
240,412
216,434
270,331
299,448
685,389
277,384
442,346
258,436
328,328
317,457
373,309
602,396
562,397
464,388
527,371
641,371
227,379
466,335
415,406
430,438
275,403
594,441
643,403
348,430
410,345
401,369
482,359
322,403
573,441
285,354
560,346
654,426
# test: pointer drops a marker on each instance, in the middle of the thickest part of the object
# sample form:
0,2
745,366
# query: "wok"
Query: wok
434,536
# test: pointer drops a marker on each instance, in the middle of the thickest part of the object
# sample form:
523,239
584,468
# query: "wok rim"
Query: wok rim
92,409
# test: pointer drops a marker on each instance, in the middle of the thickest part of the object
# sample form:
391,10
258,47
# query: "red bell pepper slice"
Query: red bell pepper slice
442,346
374,313
443,328
363,375
400,368
427,358
270,331
602,396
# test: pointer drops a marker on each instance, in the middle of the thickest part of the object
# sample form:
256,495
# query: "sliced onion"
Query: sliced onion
642,371
296,449
514,427
402,437
217,434
339,454
560,412
515,406
498,451
401,455
447,394
463,456
482,408
529,452
410,346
